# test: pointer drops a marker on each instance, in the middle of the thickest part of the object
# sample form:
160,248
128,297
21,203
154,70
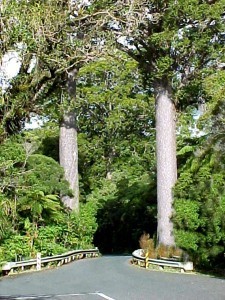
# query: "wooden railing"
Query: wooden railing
173,263
39,262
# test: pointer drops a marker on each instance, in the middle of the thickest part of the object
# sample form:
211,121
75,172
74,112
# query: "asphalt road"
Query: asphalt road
111,278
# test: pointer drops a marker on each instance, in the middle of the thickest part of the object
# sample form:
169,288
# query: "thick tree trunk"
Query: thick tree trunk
68,153
68,148
166,162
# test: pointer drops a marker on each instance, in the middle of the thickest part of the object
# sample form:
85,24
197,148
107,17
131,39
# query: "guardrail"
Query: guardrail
40,262
174,263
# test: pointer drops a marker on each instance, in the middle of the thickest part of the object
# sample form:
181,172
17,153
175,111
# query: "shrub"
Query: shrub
150,249
199,206
50,240
15,248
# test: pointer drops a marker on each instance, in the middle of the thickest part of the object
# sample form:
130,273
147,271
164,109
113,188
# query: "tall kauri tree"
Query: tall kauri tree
173,42
50,39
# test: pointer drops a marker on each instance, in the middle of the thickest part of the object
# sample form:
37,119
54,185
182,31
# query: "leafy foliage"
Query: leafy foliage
15,248
32,216
114,119
72,232
199,200
200,207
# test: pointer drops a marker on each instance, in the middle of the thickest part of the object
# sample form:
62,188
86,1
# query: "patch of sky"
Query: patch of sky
79,4
9,68
126,42
115,25
35,121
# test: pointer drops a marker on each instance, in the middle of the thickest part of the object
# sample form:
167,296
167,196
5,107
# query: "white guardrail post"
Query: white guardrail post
143,262
39,261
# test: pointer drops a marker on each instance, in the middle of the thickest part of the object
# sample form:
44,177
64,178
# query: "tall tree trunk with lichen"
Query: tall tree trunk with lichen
68,148
166,161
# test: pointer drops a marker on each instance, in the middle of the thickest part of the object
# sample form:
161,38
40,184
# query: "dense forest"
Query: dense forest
128,98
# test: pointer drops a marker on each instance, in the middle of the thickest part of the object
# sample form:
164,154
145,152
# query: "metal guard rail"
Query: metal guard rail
141,261
61,259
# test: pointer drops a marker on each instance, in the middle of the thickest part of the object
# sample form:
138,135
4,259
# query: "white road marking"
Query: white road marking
69,295
63,295
104,296
96,293
27,297
85,294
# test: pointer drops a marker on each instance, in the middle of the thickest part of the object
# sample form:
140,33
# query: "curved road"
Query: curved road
111,278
